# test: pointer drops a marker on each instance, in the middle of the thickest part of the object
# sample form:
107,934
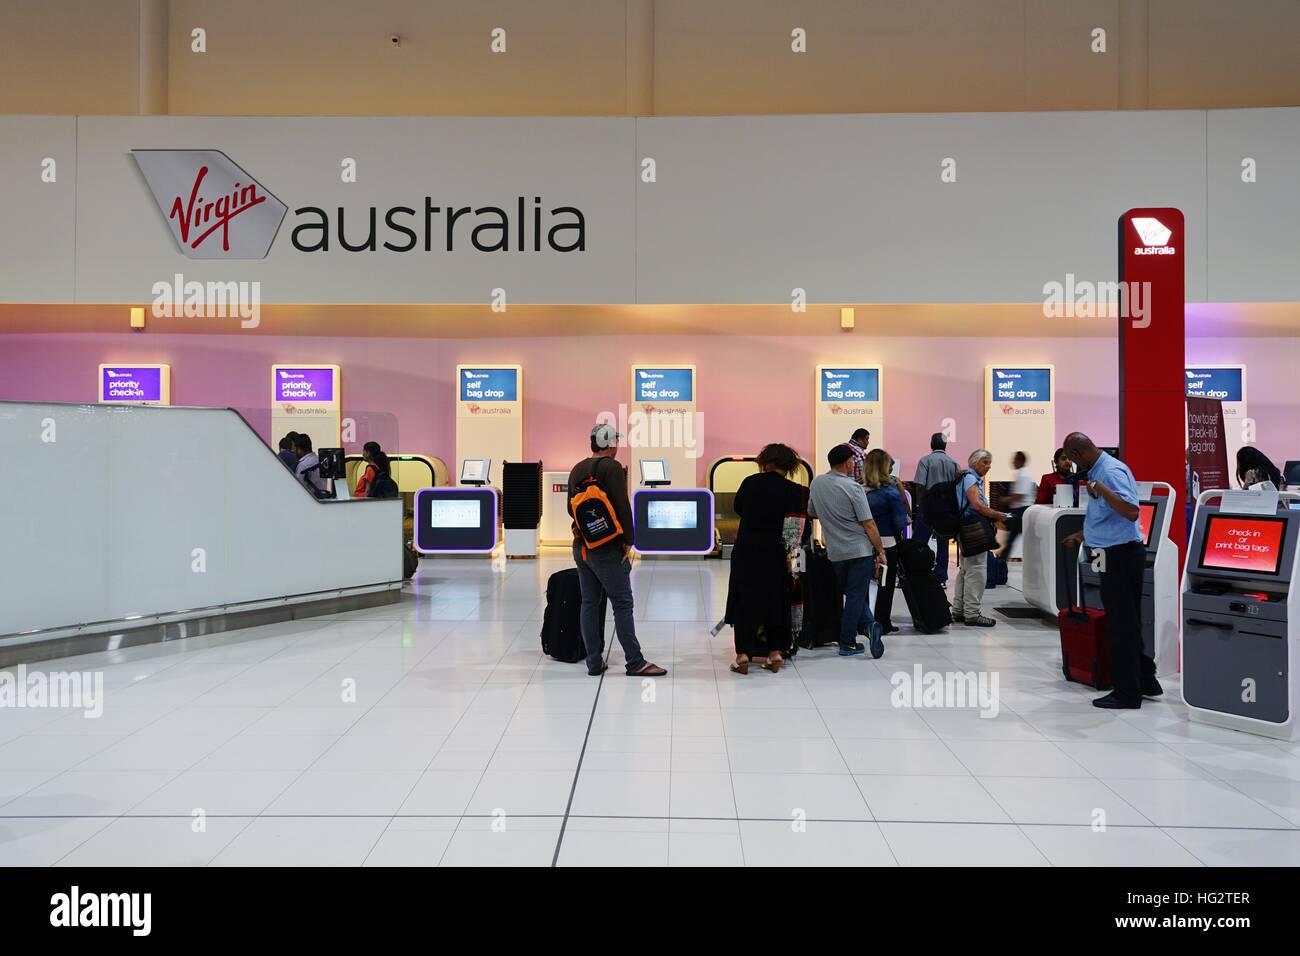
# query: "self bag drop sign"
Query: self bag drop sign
664,385
1022,385
489,385
1214,382
850,385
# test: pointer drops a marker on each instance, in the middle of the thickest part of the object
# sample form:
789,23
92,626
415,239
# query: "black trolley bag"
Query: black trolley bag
562,620
823,601
925,597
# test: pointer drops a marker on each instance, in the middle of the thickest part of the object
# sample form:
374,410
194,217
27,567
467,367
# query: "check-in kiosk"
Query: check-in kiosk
1049,566
1241,612
1159,577
461,520
672,521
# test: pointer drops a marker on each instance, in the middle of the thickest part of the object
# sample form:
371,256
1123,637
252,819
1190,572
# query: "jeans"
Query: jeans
1121,598
854,576
972,578
606,572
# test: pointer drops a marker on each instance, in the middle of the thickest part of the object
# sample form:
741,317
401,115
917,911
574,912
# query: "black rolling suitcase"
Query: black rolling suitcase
926,600
561,622
823,602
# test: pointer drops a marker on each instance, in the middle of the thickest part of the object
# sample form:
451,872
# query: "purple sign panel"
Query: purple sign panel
304,385
128,384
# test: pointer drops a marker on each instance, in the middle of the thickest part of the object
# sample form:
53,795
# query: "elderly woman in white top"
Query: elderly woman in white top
972,569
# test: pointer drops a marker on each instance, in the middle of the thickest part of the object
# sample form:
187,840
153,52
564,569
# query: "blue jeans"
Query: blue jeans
854,576
606,572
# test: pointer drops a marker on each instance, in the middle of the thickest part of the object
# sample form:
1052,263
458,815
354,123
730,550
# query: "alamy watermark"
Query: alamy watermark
1074,298
919,689
63,690
652,426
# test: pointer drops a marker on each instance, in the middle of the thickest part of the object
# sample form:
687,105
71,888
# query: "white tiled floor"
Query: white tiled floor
434,732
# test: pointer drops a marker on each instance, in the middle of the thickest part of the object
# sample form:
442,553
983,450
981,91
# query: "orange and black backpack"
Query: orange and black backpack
593,513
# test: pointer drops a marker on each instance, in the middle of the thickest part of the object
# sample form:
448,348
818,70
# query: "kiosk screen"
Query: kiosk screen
454,513
671,515
1146,519
1247,544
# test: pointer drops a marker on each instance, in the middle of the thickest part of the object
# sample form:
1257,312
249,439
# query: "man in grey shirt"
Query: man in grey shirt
840,503
931,470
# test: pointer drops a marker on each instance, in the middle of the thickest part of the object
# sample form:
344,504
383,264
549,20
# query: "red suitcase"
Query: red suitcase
1085,653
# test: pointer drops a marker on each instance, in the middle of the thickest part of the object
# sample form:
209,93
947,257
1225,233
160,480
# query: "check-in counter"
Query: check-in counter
1049,566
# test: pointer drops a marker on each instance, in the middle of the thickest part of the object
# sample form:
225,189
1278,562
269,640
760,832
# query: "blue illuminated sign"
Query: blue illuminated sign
664,385
1022,385
850,385
1221,383
489,385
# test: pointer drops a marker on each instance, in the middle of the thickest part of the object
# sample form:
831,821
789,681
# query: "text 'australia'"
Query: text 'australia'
528,228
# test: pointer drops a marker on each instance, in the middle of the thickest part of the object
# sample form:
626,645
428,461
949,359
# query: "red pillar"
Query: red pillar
1152,353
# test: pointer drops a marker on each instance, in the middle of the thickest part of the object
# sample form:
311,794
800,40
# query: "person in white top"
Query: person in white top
1021,497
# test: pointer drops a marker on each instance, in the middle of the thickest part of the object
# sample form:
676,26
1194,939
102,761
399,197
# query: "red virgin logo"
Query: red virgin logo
199,211
203,193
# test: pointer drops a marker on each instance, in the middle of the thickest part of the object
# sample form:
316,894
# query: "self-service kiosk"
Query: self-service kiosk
672,521
1049,566
461,520
1159,577
1241,612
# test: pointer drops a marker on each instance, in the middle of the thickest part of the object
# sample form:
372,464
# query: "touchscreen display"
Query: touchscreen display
454,513
1239,543
1146,518
671,515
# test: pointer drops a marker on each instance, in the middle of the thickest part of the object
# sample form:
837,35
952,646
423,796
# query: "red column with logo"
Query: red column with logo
1152,353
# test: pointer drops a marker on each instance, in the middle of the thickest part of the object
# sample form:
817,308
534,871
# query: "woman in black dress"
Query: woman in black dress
773,512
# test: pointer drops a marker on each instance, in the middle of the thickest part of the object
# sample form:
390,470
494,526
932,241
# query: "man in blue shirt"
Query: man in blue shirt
1112,527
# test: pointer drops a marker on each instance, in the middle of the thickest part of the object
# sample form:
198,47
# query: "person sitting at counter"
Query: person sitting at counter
1063,475
1112,527
308,470
1253,467
376,480
286,453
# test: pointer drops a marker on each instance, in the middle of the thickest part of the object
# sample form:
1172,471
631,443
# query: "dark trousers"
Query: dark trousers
1014,526
885,595
605,571
1121,598
923,533
854,576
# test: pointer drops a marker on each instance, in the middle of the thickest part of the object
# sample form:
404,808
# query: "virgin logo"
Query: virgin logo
198,212
204,194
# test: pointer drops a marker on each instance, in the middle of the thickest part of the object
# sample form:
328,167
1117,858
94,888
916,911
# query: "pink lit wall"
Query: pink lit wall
752,390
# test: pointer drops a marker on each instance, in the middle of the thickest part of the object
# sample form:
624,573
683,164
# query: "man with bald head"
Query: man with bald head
1112,527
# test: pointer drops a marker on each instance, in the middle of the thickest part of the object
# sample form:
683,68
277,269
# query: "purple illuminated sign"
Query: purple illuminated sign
304,385
125,383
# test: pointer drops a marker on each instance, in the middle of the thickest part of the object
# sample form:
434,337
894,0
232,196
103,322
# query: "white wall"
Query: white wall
115,499
850,208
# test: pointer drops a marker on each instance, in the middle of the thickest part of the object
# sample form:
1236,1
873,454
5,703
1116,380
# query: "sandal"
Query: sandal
596,673
773,664
740,667
648,670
